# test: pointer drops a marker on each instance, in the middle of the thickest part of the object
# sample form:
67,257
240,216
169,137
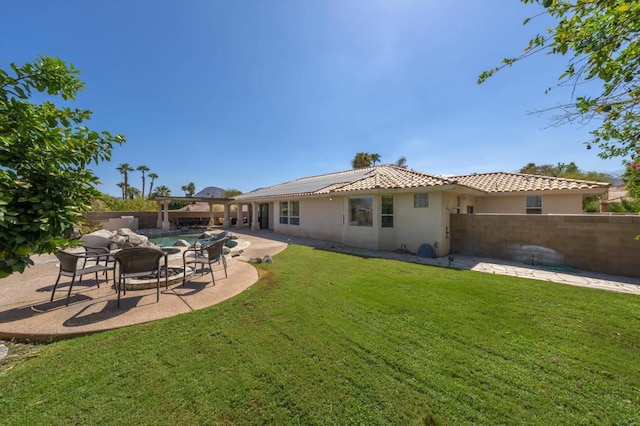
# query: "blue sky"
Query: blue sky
247,94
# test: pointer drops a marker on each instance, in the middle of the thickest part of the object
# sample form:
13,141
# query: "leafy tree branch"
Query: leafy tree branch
601,40
44,153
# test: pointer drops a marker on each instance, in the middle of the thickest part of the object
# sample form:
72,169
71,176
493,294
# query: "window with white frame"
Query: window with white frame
361,211
386,219
290,212
421,200
294,213
534,204
284,212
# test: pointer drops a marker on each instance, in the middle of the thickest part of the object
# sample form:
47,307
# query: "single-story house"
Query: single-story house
515,193
385,207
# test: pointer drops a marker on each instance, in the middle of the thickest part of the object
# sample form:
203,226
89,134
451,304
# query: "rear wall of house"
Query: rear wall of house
414,226
599,243
319,218
326,218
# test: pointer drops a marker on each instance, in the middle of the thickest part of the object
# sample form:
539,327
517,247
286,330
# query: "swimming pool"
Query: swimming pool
170,240
190,238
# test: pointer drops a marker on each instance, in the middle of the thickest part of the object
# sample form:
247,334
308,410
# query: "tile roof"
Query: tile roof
376,177
519,182
393,177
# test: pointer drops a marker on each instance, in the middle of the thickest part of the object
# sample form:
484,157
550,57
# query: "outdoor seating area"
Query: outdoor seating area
101,290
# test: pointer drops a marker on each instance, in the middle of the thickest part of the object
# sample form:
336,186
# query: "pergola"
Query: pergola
163,208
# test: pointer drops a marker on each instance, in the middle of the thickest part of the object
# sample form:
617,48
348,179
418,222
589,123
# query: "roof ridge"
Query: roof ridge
418,172
531,175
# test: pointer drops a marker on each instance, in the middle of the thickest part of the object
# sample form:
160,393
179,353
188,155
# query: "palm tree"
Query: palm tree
162,191
124,168
375,158
143,169
189,189
133,192
153,177
402,162
121,186
361,160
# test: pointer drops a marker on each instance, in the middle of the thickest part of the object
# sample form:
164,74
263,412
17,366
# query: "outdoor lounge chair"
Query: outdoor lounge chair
205,254
69,268
139,262
99,249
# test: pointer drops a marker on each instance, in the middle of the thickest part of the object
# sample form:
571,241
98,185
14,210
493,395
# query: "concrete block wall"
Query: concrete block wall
145,219
598,243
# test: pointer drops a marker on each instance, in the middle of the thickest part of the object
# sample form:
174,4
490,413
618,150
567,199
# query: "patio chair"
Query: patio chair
98,248
69,268
136,262
206,254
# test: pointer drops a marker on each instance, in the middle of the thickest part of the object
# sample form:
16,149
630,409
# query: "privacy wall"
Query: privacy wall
598,243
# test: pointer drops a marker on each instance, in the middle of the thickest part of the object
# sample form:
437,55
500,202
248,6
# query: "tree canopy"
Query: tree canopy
361,160
189,189
631,178
564,170
45,184
402,162
571,171
601,40
162,191
230,192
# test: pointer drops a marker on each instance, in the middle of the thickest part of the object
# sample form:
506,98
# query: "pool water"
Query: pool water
170,240
190,238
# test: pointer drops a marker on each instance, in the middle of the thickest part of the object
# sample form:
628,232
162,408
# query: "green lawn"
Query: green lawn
328,338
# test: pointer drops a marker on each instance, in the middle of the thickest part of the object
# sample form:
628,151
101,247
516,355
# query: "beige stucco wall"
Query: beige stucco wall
411,226
516,204
326,218
319,218
500,204
562,204
415,226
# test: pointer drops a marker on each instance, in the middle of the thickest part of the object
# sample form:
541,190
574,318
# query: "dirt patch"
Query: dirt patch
15,353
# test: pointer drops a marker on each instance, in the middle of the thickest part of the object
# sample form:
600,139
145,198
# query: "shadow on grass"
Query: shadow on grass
350,253
395,256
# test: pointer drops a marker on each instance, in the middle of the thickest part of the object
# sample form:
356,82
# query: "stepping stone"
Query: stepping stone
4,351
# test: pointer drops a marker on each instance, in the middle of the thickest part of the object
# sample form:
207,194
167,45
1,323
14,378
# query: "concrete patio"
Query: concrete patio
26,314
